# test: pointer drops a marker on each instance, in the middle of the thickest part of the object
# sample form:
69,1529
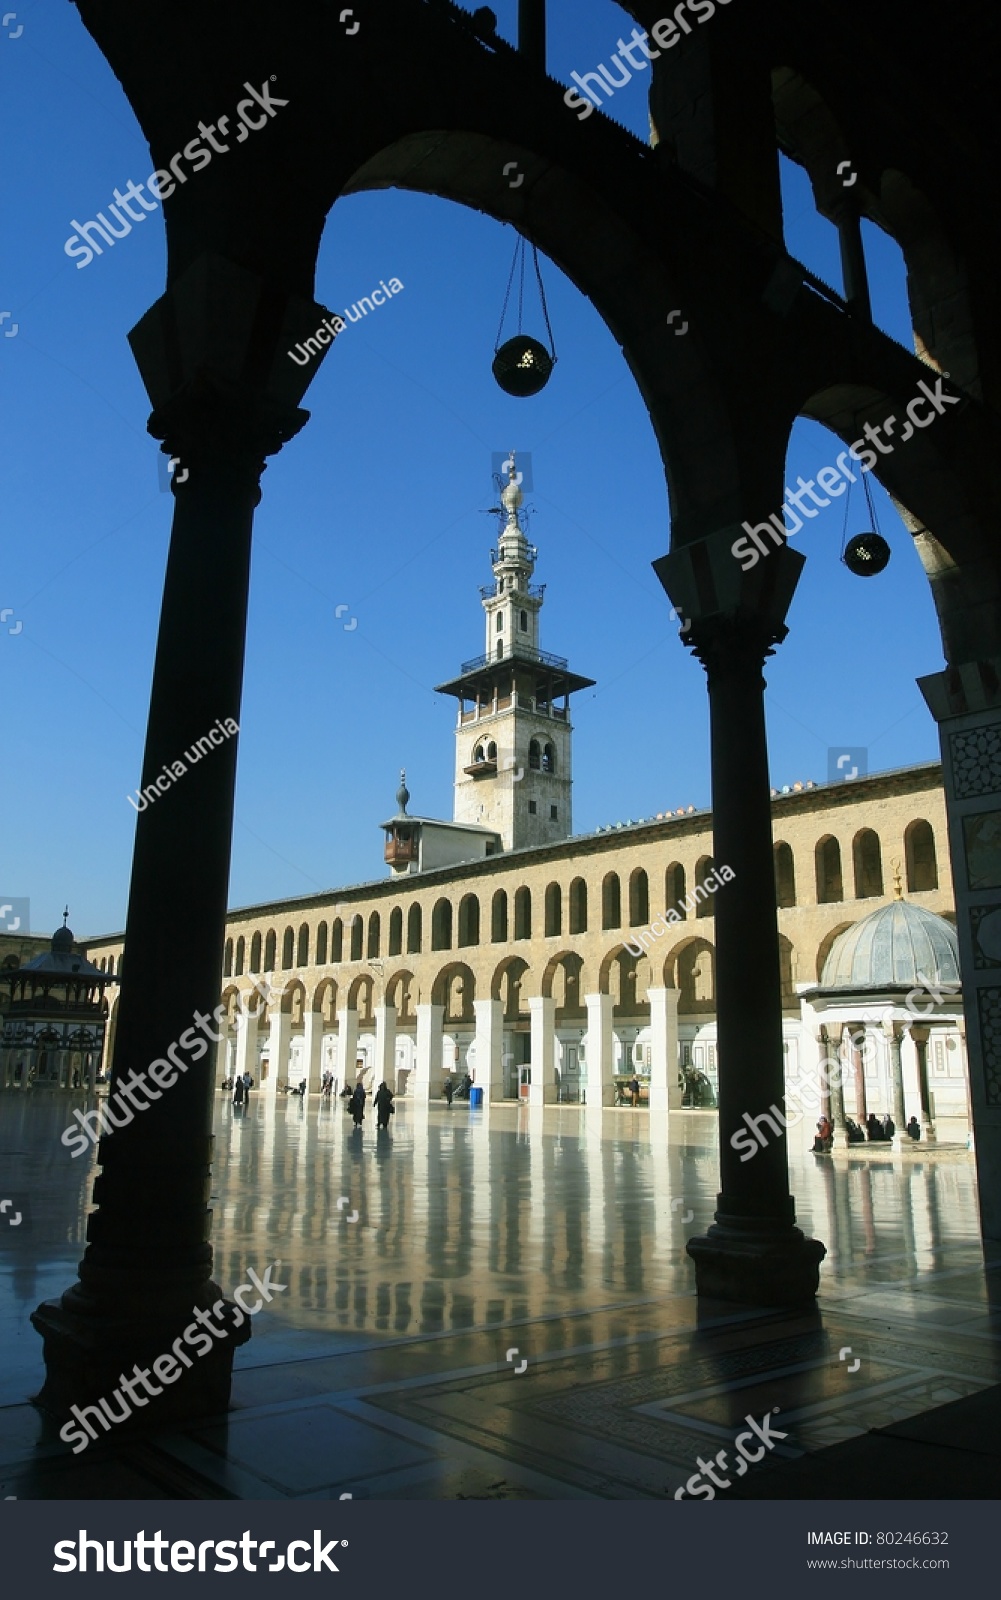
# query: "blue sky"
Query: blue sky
377,506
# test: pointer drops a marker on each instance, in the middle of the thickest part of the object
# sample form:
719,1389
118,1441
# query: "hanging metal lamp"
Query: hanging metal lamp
522,365
865,554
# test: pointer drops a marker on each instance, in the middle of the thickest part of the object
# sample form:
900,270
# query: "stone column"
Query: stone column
753,1253
855,1029
347,1046
600,1052
665,1091
427,1071
965,701
920,1034
246,1042
210,355
313,1047
542,1090
279,1045
489,1049
385,1047
894,1033
832,1031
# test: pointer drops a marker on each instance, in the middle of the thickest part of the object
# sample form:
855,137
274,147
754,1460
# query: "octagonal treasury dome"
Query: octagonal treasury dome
897,946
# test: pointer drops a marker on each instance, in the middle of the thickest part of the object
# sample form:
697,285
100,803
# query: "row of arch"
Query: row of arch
569,912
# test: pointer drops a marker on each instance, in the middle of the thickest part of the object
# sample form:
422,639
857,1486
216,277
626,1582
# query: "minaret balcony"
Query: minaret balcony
522,652
481,769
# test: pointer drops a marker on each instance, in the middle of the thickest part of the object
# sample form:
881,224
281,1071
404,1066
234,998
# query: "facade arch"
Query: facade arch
395,932
255,953
302,948
639,898
240,957
867,860
704,897
321,944
830,886
357,937
374,940
337,942
455,988
361,996
469,921
227,960
508,985
785,876
690,967
553,910
324,1000
441,925
578,906
921,861
534,756
415,930
563,980
288,950
270,949
523,913
403,993
611,902
676,889
498,917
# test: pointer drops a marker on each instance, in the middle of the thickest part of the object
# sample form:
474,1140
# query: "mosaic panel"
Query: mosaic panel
985,925
976,762
989,1005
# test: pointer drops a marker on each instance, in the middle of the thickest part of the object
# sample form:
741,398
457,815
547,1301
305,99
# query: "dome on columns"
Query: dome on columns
898,946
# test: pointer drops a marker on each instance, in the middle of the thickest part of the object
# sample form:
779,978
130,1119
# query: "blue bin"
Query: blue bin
475,1099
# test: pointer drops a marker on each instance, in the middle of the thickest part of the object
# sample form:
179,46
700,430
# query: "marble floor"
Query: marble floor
502,1307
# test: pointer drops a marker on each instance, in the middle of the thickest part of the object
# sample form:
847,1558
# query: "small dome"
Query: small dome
62,941
898,946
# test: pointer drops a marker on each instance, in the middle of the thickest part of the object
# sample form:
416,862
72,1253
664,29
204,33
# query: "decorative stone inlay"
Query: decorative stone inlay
989,1005
985,925
976,761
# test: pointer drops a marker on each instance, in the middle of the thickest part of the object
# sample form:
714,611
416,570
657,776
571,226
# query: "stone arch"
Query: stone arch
227,960
867,861
578,906
498,917
302,946
374,939
553,911
639,898
288,949
395,947
357,937
690,967
240,957
441,924
788,973
415,930
705,903
565,971
830,883
469,921
508,985
324,1000
454,988
611,902
676,889
523,913
321,944
824,947
920,858
785,876
270,948
337,941
361,998
403,993
293,1001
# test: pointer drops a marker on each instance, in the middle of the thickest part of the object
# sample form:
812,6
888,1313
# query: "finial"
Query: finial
403,793
66,916
898,886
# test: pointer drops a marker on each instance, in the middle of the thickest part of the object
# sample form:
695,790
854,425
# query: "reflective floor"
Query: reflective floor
504,1308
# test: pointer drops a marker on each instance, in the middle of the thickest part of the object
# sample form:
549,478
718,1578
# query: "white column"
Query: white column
600,1052
279,1041
542,1090
665,1091
246,1043
313,1048
427,1072
347,1046
489,1049
385,1047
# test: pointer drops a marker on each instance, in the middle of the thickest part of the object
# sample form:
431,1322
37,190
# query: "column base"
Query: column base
86,1353
779,1270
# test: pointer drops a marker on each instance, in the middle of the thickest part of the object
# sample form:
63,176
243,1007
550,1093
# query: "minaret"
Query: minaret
513,735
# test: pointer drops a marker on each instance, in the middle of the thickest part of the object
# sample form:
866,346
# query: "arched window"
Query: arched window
578,906
785,876
469,920
227,960
919,851
828,858
491,751
478,753
357,937
549,759
374,935
498,917
554,910
534,756
675,889
288,949
500,649
415,930
255,953
321,945
337,940
868,863
270,946
639,899
611,901
241,953
523,620
523,914
703,893
396,931
500,622
441,925
302,954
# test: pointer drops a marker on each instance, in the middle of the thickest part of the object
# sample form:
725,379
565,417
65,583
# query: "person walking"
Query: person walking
358,1105
384,1106
634,1091
448,1089
248,1084
238,1092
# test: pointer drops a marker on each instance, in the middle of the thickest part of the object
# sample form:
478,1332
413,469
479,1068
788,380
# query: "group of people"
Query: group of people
451,1093
242,1086
354,1103
877,1130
